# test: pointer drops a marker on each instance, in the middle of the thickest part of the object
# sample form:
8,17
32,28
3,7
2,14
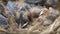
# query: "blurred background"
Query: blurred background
29,16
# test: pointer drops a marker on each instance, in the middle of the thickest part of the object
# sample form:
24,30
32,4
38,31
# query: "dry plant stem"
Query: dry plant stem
2,29
52,27
12,23
35,26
